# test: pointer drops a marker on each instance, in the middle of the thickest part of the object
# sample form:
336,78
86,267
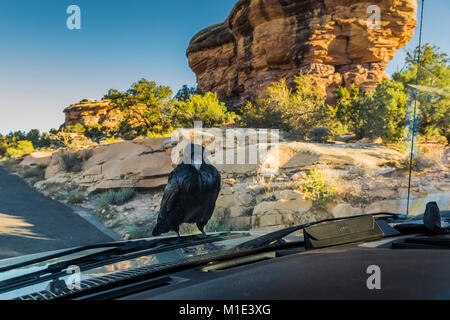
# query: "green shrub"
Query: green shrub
94,132
105,200
206,108
143,105
433,102
108,198
123,196
295,110
321,134
75,197
111,140
70,161
316,189
22,147
135,232
77,128
72,196
36,172
185,93
106,214
375,114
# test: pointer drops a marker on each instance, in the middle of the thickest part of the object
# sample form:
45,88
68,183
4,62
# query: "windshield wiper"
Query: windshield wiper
132,249
121,245
270,238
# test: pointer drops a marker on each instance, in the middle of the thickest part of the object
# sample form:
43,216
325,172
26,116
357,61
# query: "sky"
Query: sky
45,67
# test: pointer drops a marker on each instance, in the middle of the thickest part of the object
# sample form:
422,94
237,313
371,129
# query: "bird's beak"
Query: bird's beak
197,166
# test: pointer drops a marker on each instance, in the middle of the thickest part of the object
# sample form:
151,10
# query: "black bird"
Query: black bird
190,195
432,218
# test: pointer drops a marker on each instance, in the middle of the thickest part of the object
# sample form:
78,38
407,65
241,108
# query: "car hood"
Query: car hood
112,268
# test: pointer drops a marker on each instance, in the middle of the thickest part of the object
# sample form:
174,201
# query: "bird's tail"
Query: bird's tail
160,228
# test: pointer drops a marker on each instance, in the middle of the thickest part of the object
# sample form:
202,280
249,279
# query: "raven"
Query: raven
190,195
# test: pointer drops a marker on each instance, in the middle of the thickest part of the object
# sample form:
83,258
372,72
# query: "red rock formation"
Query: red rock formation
89,112
263,41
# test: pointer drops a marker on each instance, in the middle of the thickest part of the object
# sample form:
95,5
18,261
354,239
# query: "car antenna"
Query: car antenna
415,110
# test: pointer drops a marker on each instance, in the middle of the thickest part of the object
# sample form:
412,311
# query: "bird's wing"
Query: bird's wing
171,193
211,201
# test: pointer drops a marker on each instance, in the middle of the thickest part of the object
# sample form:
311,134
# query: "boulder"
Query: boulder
345,210
142,163
289,195
281,213
37,159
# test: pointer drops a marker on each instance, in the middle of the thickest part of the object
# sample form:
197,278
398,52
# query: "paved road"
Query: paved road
32,223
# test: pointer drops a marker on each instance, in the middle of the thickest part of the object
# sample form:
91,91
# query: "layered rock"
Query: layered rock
141,163
90,112
263,41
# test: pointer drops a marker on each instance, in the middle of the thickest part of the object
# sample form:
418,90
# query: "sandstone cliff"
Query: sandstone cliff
263,41
89,112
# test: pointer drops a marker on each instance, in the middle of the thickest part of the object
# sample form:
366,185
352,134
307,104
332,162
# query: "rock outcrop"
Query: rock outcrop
263,41
141,164
90,112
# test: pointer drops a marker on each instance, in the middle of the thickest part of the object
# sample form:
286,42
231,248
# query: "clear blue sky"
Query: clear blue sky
45,67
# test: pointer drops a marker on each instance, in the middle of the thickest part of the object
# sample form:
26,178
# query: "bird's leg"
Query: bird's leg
201,228
178,234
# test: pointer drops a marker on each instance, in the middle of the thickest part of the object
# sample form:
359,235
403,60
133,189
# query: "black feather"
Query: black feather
189,197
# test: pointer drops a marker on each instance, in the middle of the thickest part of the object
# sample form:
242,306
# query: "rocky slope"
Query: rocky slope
265,40
367,178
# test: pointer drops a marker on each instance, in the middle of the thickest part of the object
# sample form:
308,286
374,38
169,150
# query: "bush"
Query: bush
375,114
143,105
118,198
70,162
75,197
22,147
186,93
94,131
123,196
36,172
295,110
77,128
433,101
316,189
321,135
135,232
205,108
105,200
106,214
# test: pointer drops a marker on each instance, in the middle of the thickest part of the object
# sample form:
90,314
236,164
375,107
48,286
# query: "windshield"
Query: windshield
147,120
